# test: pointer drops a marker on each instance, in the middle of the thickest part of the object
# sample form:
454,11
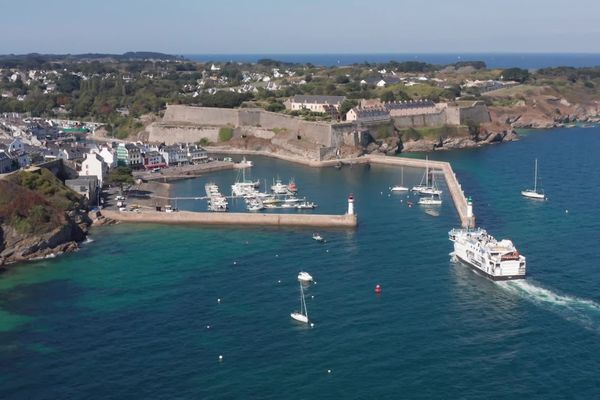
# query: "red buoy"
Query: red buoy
378,289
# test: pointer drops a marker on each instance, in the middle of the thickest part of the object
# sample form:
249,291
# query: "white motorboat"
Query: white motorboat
302,315
305,205
401,187
279,188
305,277
430,201
318,237
534,193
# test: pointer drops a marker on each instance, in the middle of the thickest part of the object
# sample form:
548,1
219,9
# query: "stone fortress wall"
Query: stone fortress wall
189,124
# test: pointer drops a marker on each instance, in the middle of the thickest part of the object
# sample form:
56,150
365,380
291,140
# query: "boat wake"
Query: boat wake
582,311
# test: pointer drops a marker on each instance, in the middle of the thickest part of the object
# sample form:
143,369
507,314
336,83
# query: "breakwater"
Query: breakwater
238,219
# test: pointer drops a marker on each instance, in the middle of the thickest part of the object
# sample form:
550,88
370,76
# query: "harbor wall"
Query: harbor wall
238,219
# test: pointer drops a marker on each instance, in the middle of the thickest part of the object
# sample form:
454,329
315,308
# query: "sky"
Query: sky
299,26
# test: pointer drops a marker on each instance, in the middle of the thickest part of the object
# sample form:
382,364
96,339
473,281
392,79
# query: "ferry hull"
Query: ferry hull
487,275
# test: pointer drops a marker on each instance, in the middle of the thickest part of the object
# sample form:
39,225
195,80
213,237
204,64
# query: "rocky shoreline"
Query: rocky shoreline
17,247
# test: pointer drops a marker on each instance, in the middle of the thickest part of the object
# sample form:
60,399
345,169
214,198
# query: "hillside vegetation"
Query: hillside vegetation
35,202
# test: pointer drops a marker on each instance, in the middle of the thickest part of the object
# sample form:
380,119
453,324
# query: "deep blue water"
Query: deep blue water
493,60
135,314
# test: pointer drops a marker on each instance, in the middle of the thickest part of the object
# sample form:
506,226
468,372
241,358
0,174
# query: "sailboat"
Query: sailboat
426,188
401,187
534,193
301,316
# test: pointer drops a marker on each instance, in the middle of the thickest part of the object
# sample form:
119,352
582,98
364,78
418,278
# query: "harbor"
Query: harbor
282,197
459,198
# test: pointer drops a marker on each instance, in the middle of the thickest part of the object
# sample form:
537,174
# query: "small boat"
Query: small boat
534,193
302,315
279,188
430,201
292,187
318,237
401,187
306,205
247,162
305,277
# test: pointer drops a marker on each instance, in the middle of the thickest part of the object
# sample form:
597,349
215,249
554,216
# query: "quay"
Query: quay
238,219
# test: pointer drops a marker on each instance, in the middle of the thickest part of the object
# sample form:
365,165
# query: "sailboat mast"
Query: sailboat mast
535,178
426,171
401,176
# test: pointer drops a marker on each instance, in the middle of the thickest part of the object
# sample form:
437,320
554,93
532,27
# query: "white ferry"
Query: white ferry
498,260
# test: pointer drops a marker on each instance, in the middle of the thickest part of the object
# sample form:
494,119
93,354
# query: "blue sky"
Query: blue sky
300,26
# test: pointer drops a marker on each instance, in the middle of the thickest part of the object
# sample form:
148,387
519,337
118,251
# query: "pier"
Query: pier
237,219
459,199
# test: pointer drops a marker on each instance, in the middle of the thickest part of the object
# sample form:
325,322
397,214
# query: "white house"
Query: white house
108,155
94,165
315,103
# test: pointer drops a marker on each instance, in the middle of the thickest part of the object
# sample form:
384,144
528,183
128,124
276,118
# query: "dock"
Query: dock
237,219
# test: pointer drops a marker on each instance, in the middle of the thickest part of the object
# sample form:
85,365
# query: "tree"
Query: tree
388,96
120,176
342,79
347,105
515,74
276,106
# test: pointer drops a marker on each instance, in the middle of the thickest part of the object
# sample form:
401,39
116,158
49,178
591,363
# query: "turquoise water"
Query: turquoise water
135,313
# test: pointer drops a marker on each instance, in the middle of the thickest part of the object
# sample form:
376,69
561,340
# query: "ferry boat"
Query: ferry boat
498,260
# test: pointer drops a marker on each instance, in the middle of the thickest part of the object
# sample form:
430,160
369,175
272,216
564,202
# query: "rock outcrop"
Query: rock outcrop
39,217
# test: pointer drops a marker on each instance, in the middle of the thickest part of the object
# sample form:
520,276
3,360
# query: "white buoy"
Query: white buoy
220,358
276,255
207,326
327,251
279,281
566,211
312,324
328,371
218,300
235,262
312,296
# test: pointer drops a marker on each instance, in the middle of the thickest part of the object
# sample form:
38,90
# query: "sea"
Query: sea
492,60
188,312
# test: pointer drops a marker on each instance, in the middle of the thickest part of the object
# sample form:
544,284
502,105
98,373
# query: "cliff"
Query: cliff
541,107
39,217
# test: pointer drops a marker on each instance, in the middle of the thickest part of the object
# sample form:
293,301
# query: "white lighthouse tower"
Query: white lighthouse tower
469,208
350,205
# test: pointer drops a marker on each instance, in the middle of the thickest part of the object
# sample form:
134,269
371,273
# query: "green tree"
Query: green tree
276,106
515,74
120,176
388,96
347,105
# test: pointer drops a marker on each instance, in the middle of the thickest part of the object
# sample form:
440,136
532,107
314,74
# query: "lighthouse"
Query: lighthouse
350,205
469,208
